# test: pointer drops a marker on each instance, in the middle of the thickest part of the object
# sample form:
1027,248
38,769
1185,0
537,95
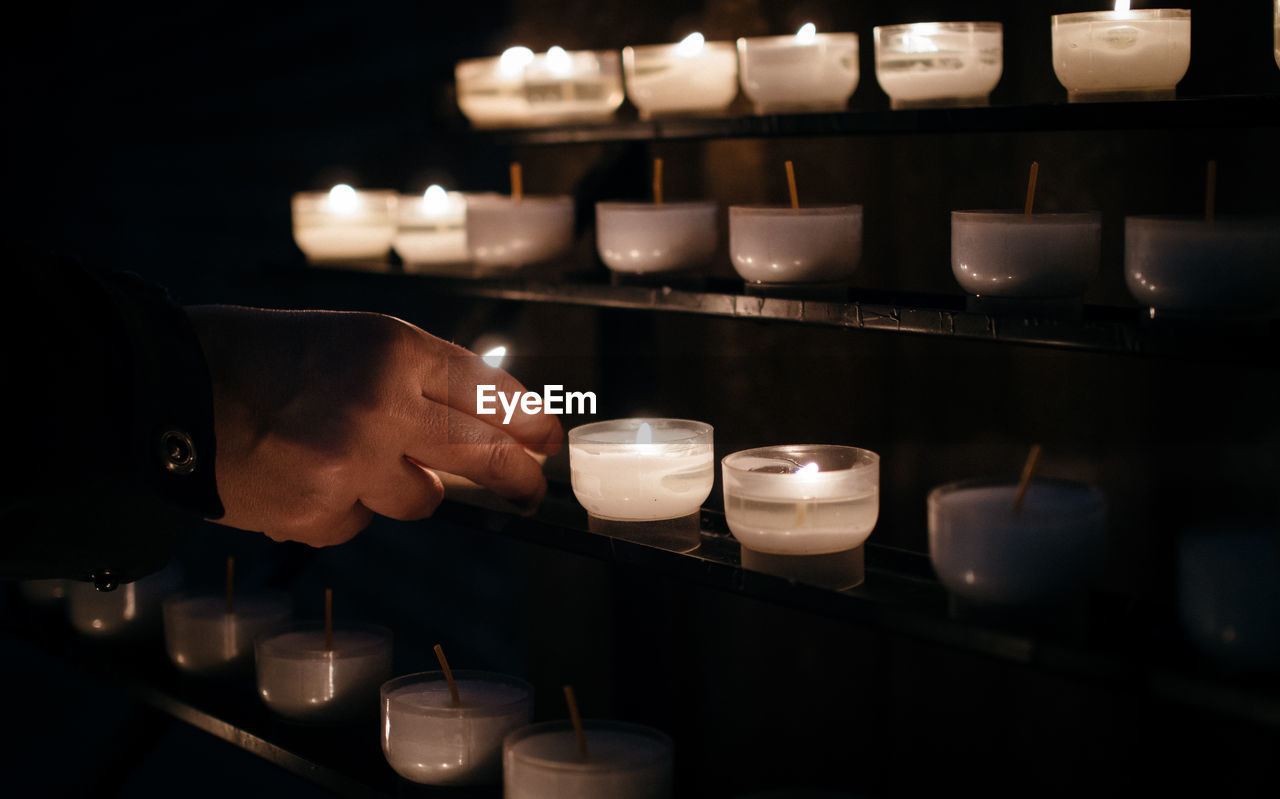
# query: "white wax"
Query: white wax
917,64
666,79
989,554
794,526
1121,51
357,240
1012,254
642,482
815,244
1230,265
299,679
428,740
431,231
621,764
202,638
504,233
581,86
783,73
641,238
131,610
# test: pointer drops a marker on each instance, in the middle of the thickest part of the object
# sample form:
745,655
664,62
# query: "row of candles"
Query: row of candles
1209,264
1123,54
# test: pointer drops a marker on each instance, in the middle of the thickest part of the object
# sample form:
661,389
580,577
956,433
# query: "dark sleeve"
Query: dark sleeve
110,446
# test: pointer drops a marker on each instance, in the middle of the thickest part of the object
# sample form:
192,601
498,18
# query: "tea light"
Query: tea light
641,469
1228,597
939,63
779,244
343,224
506,233
300,679
624,761
640,238
132,610
555,87
432,230
809,71
692,76
1014,254
203,638
1121,54
427,739
989,554
43,593
801,499
1229,265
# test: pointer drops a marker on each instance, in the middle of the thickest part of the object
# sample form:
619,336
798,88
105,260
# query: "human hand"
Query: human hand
325,418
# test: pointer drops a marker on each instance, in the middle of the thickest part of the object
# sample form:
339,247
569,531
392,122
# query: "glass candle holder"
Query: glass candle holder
1187,264
202,637
1228,597
520,88
301,680
779,244
690,77
801,499
931,64
43,593
624,761
431,231
345,225
130,612
643,238
1121,55
429,740
805,72
1013,254
637,470
991,555
504,233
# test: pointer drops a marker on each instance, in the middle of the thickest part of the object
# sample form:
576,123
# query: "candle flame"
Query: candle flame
808,468
1122,5
495,356
691,45
807,33
644,435
343,200
435,200
514,60
559,62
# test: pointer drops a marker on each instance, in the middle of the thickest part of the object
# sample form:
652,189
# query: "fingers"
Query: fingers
480,452
403,491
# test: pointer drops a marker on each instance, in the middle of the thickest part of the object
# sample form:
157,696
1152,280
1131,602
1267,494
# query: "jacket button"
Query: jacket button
104,580
177,452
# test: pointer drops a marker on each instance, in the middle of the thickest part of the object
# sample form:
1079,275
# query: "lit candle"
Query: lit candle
624,761
521,88
1122,54
809,71
505,233
641,469
202,637
990,554
303,680
1189,264
692,76
432,230
1015,254
643,238
939,63
428,739
813,244
801,499
345,225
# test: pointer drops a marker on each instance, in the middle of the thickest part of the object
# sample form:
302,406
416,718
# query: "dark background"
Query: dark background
169,141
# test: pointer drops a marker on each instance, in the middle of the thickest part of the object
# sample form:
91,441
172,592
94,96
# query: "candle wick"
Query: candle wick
517,181
657,181
1031,187
1028,471
791,186
576,718
448,675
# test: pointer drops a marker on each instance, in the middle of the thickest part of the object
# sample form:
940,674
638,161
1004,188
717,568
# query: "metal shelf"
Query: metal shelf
1120,331
1191,113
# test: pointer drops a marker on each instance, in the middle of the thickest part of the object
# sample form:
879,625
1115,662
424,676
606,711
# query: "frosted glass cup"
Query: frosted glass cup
644,238
301,680
624,761
642,470
931,64
355,229
811,244
1013,254
429,740
785,74
504,234
203,638
680,79
551,88
1121,55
